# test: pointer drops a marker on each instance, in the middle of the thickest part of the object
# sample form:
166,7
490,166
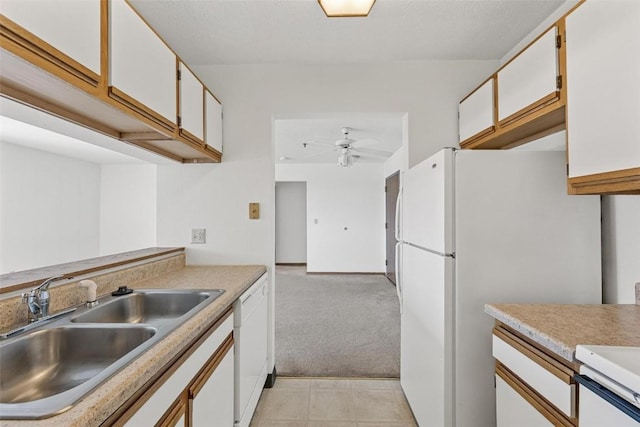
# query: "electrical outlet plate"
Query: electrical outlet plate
198,235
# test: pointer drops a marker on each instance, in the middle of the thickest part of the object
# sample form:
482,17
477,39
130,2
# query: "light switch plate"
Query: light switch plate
254,210
198,235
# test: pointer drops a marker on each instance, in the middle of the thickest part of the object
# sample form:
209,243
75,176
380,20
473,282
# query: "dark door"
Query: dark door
392,188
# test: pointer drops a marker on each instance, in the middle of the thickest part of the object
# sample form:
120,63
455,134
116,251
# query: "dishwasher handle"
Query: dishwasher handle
609,396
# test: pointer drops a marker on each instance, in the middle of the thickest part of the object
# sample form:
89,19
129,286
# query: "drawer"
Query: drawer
538,371
513,409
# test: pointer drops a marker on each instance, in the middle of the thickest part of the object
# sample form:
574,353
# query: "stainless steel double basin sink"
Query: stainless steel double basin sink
45,371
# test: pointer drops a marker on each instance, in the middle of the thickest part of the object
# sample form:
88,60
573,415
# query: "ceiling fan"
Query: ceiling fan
350,150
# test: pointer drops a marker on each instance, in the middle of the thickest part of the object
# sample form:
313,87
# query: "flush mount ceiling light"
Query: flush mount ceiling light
346,8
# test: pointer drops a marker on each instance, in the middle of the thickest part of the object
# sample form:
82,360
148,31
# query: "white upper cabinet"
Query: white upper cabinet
142,66
191,103
603,78
70,26
529,77
213,127
476,112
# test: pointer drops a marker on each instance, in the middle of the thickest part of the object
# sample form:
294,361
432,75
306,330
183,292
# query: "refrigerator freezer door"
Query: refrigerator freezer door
425,338
427,203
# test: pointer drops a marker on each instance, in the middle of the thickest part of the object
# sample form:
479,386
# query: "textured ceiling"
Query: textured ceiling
207,32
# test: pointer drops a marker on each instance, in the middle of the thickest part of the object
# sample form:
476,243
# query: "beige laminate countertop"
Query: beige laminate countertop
104,400
560,328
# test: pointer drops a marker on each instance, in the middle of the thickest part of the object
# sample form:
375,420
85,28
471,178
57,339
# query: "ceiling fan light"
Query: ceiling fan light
346,8
345,160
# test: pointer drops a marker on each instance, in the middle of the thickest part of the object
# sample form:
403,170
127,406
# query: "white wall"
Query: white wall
395,163
251,95
291,222
128,205
50,209
620,248
345,215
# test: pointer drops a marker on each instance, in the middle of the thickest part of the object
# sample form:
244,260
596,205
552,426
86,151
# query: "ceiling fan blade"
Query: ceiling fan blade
367,141
308,144
285,158
373,152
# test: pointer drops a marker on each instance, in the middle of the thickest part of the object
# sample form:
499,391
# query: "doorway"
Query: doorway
391,189
291,223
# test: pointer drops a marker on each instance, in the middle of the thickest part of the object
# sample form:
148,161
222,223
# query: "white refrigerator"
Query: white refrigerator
477,227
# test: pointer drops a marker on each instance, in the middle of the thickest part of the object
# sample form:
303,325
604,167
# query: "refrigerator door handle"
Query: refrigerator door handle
398,213
399,273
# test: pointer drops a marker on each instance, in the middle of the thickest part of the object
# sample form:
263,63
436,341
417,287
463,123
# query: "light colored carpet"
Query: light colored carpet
343,325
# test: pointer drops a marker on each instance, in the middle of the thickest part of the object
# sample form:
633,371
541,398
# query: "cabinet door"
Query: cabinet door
176,415
213,128
191,103
528,78
603,88
165,394
476,112
80,20
142,66
514,410
212,405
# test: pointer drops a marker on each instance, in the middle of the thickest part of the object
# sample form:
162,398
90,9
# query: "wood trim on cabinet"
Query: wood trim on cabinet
211,93
626,181
141,109
545,408
26,45
174,413
541,118
150,147
493,76
543,122
140,397
191,137
530,109
480,135
104,47
561,371
39,104
207,370
52,63
213,153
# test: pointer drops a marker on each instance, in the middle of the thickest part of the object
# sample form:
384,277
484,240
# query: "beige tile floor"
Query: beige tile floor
322,402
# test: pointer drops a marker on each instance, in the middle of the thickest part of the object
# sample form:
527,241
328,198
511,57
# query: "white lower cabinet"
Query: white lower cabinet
212,404
514,410
196,391
532,388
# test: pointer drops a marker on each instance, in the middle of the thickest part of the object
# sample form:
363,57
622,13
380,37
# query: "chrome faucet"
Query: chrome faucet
37,299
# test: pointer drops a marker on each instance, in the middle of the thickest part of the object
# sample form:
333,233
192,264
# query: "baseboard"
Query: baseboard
346,272
292,264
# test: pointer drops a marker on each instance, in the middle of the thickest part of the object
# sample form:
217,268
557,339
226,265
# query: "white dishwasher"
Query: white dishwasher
250,321
609,386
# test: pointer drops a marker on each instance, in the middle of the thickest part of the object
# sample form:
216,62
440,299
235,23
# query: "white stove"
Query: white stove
609,385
